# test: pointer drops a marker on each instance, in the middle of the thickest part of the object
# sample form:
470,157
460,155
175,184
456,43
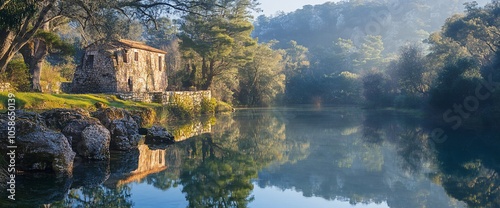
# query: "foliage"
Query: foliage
457,80
465,52
378,90
51,78
22,19
99,196
182,107
219,40
410,70
113,25
397,23
262,79
223,107
161,35
208,105
296,59
370,54
17,75
343,88
333,76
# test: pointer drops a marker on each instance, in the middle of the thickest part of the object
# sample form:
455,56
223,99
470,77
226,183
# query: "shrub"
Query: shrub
208,105
181,107
223,107
17,74
51,78
147,116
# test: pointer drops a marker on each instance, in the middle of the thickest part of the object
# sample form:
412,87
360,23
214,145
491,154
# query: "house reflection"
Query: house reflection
150,161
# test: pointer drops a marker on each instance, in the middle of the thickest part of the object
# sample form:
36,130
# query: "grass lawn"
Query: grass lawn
41,101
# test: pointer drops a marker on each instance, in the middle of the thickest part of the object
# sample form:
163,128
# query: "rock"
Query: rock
143,131
99,105
89,139
144,116
158,137
73,129
159,134
38,148
121,125
92,144
59,118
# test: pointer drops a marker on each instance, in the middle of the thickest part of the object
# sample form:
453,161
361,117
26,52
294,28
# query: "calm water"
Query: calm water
330,157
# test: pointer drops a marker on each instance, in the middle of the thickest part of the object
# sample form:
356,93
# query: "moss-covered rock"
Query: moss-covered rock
122,126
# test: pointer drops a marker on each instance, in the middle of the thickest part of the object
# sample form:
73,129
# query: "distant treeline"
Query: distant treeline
390,54
379,53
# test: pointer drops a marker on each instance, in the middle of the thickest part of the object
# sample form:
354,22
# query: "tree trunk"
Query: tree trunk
210,75
34,53
36,72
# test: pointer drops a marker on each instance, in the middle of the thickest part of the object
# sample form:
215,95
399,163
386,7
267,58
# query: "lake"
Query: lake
288,157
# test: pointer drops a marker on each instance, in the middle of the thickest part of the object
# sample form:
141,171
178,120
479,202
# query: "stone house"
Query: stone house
121,66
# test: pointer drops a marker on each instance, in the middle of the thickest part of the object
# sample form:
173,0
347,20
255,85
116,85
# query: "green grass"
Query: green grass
41,101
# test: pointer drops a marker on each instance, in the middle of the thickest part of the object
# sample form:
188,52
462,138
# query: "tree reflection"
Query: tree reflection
218,168
217,177
469,168
98,196
383,157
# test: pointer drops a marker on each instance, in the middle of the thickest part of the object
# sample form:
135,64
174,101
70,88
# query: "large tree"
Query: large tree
220,38
43,43
262,79
21,19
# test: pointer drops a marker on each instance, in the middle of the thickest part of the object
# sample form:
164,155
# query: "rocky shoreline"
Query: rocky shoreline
52,140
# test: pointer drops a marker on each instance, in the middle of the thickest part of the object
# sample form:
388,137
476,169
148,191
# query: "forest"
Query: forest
417,54
379,102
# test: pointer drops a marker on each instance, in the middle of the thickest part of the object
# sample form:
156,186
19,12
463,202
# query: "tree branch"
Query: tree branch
4,4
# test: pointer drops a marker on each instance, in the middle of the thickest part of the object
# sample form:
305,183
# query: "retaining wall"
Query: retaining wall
165,97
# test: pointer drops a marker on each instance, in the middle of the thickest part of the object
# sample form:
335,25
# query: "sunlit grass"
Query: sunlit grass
41,101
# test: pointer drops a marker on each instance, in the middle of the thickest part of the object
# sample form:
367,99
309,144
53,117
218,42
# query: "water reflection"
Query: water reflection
343,155
469,167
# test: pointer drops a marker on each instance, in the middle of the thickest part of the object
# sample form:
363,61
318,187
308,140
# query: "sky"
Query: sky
270,7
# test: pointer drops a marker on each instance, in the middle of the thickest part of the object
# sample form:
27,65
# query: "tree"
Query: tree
113,25
336,58
477,31
163,34
410,71
370,56
457,80
36,50
220,38
20,20
296,59
262,79
377,89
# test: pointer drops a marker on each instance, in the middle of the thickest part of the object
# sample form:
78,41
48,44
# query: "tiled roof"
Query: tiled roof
140,45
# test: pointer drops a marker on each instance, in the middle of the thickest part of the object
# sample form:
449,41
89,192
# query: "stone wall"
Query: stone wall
166,97
96,74
66,87
118,69
6,87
